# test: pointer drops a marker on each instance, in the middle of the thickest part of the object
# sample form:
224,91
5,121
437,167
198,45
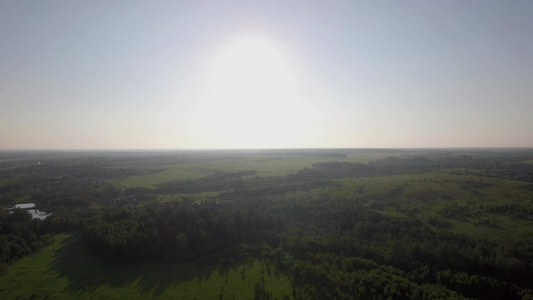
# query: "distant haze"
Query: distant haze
265,74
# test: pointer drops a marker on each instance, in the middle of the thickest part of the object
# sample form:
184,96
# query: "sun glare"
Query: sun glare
251,98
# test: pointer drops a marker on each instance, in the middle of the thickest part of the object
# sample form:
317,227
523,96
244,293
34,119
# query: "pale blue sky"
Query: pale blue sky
139,74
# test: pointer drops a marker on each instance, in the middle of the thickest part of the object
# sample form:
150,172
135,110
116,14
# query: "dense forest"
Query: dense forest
326,226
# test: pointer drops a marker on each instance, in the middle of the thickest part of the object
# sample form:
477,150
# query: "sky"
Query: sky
265,74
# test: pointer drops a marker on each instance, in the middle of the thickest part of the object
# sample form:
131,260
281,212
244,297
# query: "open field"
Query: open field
65,270
275,164
171,172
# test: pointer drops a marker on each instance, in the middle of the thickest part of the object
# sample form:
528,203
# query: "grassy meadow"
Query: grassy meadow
65,270
265,165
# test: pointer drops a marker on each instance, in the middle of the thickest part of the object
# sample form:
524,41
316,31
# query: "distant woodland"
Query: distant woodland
435,225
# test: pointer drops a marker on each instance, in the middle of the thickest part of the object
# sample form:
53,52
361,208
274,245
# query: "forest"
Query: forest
435,224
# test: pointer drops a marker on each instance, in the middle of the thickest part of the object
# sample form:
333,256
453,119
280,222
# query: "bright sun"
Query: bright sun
251,98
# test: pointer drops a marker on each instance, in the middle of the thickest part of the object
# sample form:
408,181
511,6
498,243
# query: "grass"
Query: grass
171,172
265,165
197,196
65,270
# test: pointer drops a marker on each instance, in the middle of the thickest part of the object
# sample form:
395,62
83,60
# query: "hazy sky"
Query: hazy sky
265,74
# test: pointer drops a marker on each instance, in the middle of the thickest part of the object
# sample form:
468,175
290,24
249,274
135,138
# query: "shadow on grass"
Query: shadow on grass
86,272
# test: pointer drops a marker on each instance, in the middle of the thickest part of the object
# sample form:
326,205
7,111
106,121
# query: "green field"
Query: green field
65,270
171,172
265,165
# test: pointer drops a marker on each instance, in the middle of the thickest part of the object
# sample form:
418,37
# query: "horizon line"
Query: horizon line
256,149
